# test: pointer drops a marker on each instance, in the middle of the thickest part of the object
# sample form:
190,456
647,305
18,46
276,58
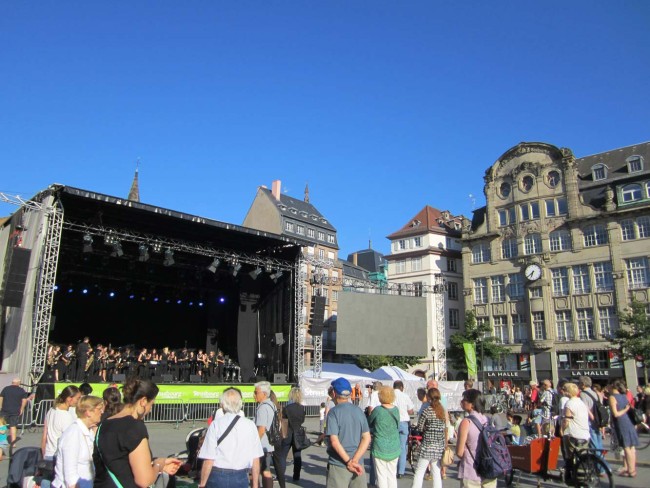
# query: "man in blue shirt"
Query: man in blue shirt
348,438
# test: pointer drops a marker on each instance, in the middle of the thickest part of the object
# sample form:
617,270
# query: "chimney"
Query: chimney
354,259
276,189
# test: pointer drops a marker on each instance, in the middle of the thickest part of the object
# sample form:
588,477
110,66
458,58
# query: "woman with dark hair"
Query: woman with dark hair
468,436
433,425
122,455
112,402
59,418
623,427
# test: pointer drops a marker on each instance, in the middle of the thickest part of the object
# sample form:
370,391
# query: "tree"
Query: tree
373,362
474,333
633,338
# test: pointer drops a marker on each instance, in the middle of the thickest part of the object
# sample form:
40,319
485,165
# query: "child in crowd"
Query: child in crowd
321,413
4,443
515,428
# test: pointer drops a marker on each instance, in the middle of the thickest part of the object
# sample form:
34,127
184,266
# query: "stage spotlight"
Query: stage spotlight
169,257
275,276
155,299
117,250
70,290
235,268
191,304
215,264
88,243
131,297
222,300
111,294
255,273
200,304
179,302
84,291
168,301
56,287
157,247
144,253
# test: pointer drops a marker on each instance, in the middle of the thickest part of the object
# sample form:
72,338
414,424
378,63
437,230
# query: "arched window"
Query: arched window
631,193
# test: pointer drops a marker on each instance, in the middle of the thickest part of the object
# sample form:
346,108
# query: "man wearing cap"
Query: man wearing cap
405,405
348,439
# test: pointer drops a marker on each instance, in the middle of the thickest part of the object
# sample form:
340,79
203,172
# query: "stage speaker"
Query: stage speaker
94,378
119,378
167,378
279,378
279,338
195,378
16,277
317,315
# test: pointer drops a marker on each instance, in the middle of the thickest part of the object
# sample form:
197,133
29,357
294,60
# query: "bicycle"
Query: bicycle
414,443
643,431
583,469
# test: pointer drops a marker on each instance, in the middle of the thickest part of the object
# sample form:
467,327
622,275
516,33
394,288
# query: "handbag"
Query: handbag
300,439
448,456
636,415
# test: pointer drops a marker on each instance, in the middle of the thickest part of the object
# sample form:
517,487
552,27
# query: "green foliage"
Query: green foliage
474,333
373,362
633,338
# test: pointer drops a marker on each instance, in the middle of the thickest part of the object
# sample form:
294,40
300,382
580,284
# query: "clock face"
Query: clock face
533,272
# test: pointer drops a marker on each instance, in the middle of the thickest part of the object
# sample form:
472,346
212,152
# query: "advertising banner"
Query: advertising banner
191,393
470,358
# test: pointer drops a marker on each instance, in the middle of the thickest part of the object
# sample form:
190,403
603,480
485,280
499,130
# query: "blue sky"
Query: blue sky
381,107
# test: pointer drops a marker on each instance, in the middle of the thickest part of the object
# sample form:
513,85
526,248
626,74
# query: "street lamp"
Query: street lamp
433,361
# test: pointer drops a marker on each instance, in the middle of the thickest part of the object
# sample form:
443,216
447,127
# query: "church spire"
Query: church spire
307,193
134,192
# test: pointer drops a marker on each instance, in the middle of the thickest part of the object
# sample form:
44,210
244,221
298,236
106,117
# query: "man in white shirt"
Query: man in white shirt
405,407
374,402
226,463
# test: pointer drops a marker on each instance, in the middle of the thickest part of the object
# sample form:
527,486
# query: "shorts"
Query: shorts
12,419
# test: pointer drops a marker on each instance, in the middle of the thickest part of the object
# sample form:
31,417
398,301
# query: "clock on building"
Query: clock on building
533,272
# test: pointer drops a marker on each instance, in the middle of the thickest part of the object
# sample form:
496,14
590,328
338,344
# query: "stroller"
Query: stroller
193,443
24,463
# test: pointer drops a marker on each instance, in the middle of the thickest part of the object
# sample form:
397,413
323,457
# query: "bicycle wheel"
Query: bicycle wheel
587,472
644,438
413,453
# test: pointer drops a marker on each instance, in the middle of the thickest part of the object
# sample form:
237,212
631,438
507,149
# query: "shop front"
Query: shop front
602,367
510,369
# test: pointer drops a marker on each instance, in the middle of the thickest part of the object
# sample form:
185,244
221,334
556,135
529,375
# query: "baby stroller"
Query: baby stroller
193,443
24,463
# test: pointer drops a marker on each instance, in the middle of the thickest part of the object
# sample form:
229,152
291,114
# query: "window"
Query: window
417,289
416,264
480,291
527,183
501,329
454,318
417,242
599,172
631,193
330,255
451,265
300,229
335,295
509,248
560,240
556,206
594,235
400,266
536,292
481,253
564,326
627,230
607,321
643,227
560,281
519,333
533,244
515,286
529,211
504,189
289,226
402,244
603,280
311,233
585,319
634,164
331,239
503,217
321,253
637,273
581,282
539,330
452,291
498,289
321,236
553,178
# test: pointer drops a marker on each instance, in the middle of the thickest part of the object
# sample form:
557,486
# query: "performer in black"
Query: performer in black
82,351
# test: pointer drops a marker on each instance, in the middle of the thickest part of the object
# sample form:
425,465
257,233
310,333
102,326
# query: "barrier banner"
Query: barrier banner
193,393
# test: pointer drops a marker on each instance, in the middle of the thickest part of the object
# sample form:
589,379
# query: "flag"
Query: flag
470,359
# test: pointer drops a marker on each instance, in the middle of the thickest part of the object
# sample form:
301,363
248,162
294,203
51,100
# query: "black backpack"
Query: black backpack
600,412
492,455
274,433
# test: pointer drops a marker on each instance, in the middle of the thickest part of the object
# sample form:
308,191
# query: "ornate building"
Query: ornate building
558,252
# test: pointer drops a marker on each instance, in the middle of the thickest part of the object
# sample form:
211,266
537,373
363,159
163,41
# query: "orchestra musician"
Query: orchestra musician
143,359
184,365
172,365
68,361
82,352
221,361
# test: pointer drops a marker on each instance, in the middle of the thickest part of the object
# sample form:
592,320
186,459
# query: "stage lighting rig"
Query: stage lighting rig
88,243
157,247
144,253
255,273
236,266
169,257
215,264
117,251
275,276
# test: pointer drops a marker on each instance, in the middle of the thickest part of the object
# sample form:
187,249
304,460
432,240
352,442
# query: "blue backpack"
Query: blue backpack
492,456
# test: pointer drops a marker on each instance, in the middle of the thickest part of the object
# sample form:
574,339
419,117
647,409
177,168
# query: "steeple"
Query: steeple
134,192
307,193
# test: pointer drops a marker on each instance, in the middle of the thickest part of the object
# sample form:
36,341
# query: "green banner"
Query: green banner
191,393
470,358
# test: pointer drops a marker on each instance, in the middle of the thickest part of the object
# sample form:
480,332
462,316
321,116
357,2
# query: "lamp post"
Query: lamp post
433,362
482,361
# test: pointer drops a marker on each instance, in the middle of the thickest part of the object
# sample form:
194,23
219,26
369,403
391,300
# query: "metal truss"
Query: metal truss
299,278
20,202
124,235
318,356
440,356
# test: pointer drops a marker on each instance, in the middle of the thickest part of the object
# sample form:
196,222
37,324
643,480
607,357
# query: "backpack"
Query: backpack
555,404
492,456
600,412
274,433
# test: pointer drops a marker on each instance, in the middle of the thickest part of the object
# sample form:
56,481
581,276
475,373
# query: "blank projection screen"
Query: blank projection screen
381,325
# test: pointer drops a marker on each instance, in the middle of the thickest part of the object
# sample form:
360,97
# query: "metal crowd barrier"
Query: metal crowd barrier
40,412
167,412
199,411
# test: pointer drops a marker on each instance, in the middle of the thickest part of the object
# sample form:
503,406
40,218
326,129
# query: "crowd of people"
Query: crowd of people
83,362
103,441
